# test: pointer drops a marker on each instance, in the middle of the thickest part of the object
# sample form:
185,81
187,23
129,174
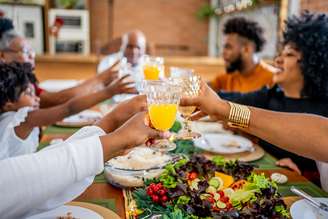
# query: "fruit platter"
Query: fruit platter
199,188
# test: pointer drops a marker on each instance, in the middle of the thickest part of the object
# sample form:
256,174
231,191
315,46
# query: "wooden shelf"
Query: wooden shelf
68,58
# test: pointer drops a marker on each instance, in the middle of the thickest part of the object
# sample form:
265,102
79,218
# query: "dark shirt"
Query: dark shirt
274,99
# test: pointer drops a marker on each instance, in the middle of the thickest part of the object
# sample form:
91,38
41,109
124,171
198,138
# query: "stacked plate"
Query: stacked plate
131,169
86,117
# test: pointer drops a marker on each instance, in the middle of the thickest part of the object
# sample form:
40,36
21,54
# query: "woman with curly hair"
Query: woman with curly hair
301,84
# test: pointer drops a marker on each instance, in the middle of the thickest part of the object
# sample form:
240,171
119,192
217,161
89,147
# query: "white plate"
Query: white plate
122,97
85,116
208,127
77,212
220,143
302,209
58,85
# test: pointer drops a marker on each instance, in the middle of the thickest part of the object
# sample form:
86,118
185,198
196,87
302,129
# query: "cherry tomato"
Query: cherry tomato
161,192
155,198
192,175
164,198
221,193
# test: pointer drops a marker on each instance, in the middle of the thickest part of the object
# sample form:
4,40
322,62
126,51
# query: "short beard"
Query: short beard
236,65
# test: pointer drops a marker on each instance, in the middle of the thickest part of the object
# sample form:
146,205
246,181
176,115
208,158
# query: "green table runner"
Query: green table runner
267,162
107,203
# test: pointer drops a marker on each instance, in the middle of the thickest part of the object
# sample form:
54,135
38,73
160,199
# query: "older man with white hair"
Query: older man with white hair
133,47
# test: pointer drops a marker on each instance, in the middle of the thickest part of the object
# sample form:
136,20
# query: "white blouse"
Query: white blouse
34,183
10,144
323,170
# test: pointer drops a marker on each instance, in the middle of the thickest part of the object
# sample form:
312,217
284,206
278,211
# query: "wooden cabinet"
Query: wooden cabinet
28,22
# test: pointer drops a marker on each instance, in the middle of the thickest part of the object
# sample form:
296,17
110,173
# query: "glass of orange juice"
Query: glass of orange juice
189,84
153,67
162,98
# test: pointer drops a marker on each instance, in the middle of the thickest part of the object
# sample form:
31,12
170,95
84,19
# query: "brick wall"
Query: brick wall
170,25
101,23
315,5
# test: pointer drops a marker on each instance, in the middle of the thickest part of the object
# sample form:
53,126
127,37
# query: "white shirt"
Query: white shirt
10,144
34,183
323,170
108,61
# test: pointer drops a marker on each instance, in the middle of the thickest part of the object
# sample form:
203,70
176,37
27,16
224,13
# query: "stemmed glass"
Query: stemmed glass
189,84
163,99
126,68
153,67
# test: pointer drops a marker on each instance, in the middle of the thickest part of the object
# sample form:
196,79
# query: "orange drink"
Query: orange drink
162,116
151,72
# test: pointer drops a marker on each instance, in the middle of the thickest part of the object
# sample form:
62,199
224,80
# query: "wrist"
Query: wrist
111,144
222,109
101,78
109,122
124,137
109,91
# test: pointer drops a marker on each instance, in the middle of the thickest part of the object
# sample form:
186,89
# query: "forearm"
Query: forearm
110,122
48,99
49,116
84,102
113,143
302,134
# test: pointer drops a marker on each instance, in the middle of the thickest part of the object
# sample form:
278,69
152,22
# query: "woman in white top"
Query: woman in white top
20,114
33,183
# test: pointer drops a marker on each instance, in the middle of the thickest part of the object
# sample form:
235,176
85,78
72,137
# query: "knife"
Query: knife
315,203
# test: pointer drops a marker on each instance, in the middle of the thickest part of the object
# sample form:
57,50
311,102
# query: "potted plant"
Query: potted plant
67,4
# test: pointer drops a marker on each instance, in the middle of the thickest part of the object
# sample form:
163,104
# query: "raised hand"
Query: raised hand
207,103
120,86
287,162
109,75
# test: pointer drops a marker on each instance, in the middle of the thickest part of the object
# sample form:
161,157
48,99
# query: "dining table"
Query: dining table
106,195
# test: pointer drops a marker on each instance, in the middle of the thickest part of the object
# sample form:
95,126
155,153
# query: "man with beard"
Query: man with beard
243,38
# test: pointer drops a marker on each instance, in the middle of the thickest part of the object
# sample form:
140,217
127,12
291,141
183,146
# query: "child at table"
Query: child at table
20,116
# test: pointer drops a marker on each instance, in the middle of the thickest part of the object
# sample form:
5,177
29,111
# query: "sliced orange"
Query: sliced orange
227,179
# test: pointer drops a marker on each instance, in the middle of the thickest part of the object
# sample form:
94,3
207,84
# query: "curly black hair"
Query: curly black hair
309,34
246,28
14,79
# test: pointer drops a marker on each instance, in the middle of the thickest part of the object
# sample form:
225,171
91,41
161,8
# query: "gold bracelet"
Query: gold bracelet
239,116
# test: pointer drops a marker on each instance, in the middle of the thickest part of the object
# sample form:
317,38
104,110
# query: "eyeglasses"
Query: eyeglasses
23,51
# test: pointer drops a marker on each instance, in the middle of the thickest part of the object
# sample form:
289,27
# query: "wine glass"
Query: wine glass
163,99
126,68
189,84
153,67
